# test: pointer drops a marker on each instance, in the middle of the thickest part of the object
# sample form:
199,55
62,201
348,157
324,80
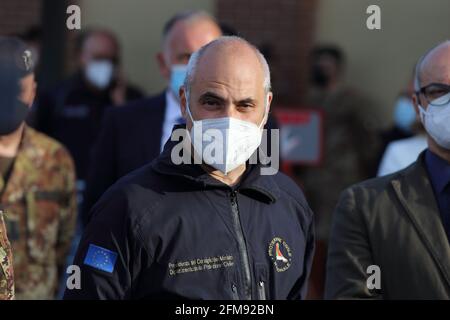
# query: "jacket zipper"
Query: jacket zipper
242,246
234,291
262,290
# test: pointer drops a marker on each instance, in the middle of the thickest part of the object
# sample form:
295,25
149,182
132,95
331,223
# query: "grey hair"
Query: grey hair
188,16
195,57
418,68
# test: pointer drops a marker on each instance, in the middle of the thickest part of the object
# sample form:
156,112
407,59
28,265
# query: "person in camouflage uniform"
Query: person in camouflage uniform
39,202
6,269
37,188
350,148
350,141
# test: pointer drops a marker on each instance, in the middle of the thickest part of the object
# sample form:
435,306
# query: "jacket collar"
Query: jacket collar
252,184
438,170
415,192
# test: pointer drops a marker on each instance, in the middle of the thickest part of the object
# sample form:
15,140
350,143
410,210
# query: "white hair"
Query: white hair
195,57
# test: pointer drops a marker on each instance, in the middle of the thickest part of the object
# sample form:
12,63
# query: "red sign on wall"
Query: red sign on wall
301,136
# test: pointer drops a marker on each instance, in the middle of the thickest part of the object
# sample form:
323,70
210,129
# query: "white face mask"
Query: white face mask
437,123
99,73
232,140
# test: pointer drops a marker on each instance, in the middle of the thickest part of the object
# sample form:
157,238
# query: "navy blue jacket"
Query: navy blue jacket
171,231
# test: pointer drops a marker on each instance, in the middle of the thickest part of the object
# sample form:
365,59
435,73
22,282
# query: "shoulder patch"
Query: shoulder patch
100,258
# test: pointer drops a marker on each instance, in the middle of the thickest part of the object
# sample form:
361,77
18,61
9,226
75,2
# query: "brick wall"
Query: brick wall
284,30
16,16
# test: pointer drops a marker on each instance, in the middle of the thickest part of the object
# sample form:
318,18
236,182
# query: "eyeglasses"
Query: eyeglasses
436,94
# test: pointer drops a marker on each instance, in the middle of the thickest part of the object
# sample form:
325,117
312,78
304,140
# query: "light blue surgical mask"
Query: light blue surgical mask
404,114
177,75
99,73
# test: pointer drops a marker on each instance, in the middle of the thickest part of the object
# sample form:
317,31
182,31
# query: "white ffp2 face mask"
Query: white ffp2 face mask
225,143
99,73
436,120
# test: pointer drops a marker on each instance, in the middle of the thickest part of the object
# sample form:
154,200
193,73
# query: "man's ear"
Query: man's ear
34,90
269,100
28,90
183,102
164,69
416,103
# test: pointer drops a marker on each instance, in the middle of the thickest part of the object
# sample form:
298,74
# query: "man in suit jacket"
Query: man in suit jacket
135,134
390,236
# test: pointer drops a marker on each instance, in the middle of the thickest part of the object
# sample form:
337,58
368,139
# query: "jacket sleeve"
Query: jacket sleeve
301,286
68,212
6,264
102,173
349,253
109,253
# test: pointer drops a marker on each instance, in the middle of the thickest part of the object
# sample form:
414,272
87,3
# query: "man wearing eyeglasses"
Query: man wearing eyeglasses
390,235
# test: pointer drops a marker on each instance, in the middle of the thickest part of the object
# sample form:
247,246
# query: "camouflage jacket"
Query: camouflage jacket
39,203
6,269
350,149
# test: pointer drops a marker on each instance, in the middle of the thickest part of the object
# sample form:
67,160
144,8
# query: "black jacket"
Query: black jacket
71,113
172,231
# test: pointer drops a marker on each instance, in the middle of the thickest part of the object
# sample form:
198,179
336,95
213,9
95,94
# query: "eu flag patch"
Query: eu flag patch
100,258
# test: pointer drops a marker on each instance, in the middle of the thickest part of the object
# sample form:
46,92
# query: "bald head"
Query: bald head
229,53
228,77
433,66
184,34
432,83
184,22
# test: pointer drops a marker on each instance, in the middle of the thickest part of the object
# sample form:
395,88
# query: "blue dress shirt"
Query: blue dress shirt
439,173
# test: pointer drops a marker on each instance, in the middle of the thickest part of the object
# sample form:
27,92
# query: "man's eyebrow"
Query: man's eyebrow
210,95
246,101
